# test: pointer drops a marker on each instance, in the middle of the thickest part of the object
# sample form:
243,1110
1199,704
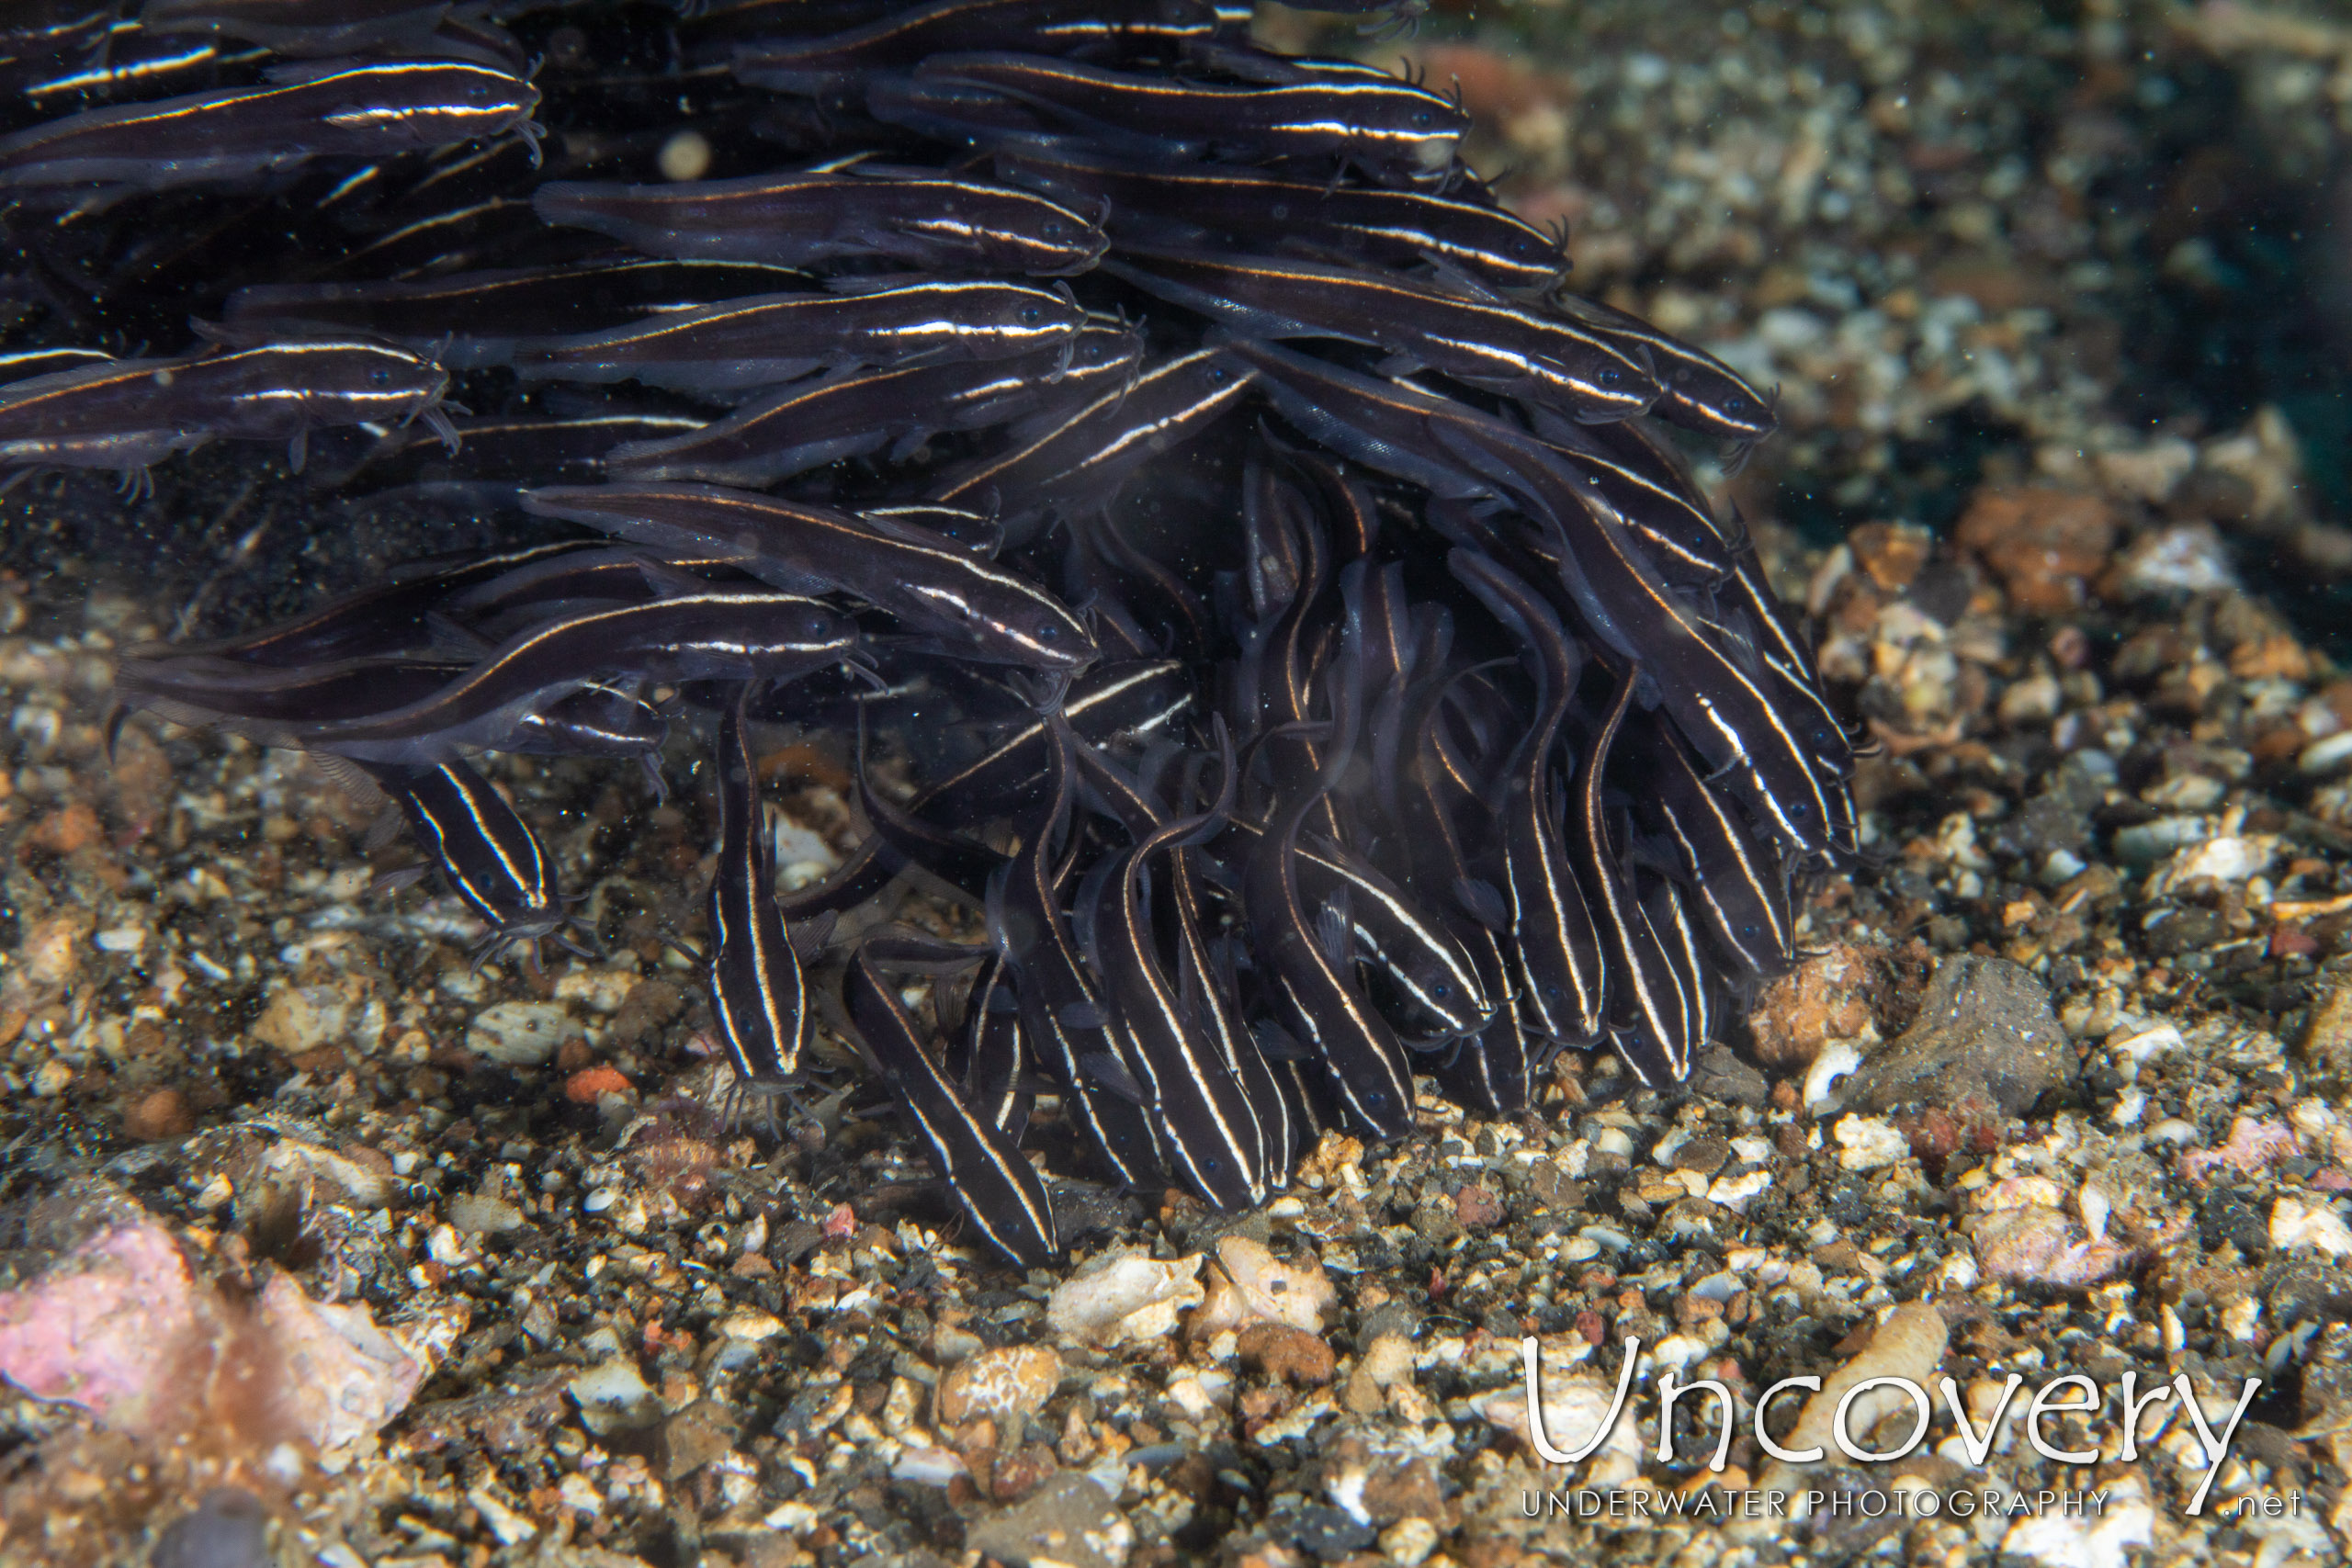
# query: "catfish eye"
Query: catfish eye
1736,406
1048,633
379,376
1424,119
819,626
1441,991
1032,314
1053,230
1611,378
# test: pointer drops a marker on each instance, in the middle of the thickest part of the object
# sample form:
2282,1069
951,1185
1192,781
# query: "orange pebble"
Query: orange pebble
582,1086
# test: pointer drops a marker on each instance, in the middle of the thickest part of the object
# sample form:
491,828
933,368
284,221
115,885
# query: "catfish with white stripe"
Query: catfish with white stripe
1065,1017
1304,950
758,995
1125,700
736,636
303,27
904,38
811,424
1000,1191
1724,710
366,110
1420,973
1202,979
482,848
1493,1071
386,617
130,413
501,451
1668,909
1485,340
1182,1036
1564,977
1261,211
1375,122
470,319
1649,1011
1082,462
988,1057
274,706
928,581
764,340
1737,883
1696,391
1280,521
1669,520
842,211
1790,671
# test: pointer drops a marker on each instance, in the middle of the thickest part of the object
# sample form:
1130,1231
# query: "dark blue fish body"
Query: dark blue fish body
391,617
1305,951
765,340
696,635
1485,340
487,853
1080,463
1065,1015
928,583
1563,981
920,218
811,423
905,36
364,110
1372,120
758,999
471,318
999,1191
129,413
303,27
1259,210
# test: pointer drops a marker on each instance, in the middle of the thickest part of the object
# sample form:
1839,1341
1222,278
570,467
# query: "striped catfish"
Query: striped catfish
1564,978
483,849
336,109
1183,1036
999,1190
1369,118
851,208
1305,952
766,339
928,581
1650,1010
758,997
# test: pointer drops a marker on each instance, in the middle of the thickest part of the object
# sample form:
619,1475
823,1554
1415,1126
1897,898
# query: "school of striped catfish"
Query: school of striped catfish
1320,667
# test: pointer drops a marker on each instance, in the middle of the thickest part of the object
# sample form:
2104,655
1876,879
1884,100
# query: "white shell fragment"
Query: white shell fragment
1249,1284
1125,1296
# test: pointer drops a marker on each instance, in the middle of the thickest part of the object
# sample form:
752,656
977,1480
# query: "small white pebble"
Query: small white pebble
1867,1142
685,156
122,938
1834,1061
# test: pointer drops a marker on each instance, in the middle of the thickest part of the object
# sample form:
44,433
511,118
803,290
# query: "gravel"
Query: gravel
425,1265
